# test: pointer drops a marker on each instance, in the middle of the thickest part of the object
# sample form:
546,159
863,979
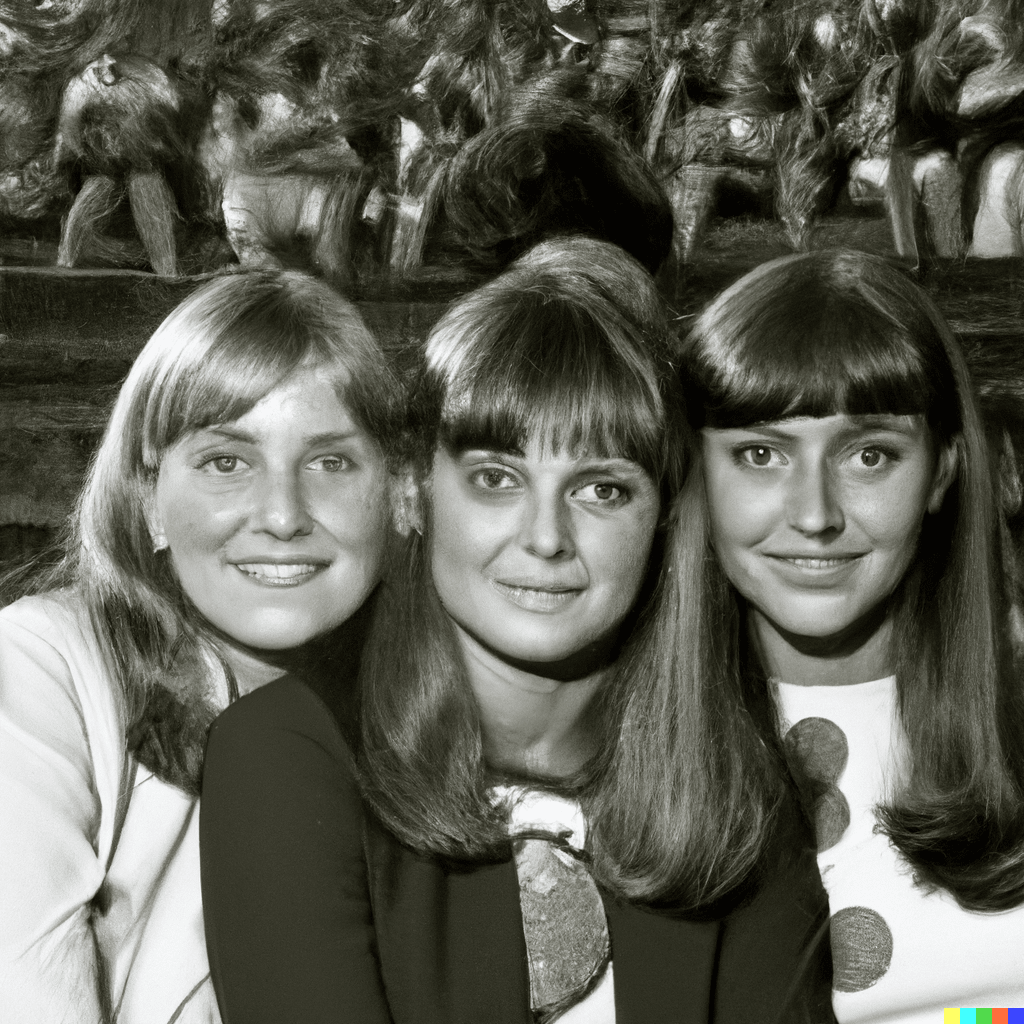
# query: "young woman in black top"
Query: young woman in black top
501,831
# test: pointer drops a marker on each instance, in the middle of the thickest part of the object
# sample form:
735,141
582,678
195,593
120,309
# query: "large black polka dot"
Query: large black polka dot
861,948
817,752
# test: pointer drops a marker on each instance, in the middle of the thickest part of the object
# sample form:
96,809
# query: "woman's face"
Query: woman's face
538,555
816,520
276,522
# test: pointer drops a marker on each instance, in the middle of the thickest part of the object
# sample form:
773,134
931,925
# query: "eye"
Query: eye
759,455
601,493
493,479
332,463
872,457
223,464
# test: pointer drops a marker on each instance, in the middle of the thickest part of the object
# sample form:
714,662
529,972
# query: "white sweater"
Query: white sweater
96,925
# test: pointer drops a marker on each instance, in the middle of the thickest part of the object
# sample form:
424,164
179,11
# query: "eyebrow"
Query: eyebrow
331,437
597,461
457,452
894,422
312,440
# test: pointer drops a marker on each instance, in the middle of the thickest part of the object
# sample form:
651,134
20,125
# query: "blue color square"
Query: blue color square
1015,1015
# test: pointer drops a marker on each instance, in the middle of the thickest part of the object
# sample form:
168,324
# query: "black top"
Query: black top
315,913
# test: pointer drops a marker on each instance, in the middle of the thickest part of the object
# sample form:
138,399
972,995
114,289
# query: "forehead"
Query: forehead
544,448
307,402
537,454
839,426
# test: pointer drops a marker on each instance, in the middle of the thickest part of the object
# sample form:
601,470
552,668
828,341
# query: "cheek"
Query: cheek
458,549
197,529
463,535
620,556
636,550
193,520
892,516
360,518
897,534
740,514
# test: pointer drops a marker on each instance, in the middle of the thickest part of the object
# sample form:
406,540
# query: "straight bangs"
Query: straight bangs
819,346
545,368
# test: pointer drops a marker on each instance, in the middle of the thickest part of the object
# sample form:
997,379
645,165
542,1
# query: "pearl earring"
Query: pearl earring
160,542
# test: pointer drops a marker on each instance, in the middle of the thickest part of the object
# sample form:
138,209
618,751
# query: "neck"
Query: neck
532,723
856,656
250,670
328,661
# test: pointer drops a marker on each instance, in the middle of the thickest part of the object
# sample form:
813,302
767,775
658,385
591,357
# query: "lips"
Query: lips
817,572
813,562
280,574
537,599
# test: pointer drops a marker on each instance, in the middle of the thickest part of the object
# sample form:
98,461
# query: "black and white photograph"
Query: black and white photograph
511,511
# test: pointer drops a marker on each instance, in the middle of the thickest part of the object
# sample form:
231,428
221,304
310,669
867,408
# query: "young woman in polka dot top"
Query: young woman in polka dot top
853,511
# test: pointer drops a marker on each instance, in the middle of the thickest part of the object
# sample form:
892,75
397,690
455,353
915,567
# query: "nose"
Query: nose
813,502
547,527
282,508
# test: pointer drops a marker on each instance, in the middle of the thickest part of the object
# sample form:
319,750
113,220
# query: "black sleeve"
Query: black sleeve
288,920
775,961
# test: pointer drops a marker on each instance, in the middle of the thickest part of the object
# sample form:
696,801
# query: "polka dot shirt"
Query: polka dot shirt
900,954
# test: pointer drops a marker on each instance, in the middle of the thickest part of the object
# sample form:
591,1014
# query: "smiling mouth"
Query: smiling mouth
537,599
816,563
274,574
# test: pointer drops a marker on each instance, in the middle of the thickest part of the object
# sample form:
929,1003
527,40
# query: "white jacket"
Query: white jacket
100,903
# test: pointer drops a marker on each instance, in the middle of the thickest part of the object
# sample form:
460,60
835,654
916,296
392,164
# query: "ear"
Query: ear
406,502
946,467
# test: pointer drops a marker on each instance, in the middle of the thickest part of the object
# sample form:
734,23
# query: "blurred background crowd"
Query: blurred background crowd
407,149
381,142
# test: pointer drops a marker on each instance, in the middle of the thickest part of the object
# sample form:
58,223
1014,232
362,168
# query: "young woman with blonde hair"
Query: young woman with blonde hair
235,519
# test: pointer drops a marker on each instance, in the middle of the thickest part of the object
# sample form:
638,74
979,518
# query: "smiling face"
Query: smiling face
816,520
539,555
276,522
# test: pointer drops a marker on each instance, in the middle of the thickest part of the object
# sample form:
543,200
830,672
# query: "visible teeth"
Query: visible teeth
818,563
275,571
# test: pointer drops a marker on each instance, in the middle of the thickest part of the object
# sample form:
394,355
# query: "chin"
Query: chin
815,627
540,650
276,636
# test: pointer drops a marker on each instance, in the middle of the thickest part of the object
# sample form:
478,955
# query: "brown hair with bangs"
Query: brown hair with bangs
229,344
840,333
541,353
570,345
818,334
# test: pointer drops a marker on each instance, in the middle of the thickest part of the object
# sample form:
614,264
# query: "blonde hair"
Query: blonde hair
213,358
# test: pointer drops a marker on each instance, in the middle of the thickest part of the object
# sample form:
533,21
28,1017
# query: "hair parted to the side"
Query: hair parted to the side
569,346
824,333
225,347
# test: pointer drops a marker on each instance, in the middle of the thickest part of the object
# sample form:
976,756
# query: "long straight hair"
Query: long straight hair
844,332
571,346
213,358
